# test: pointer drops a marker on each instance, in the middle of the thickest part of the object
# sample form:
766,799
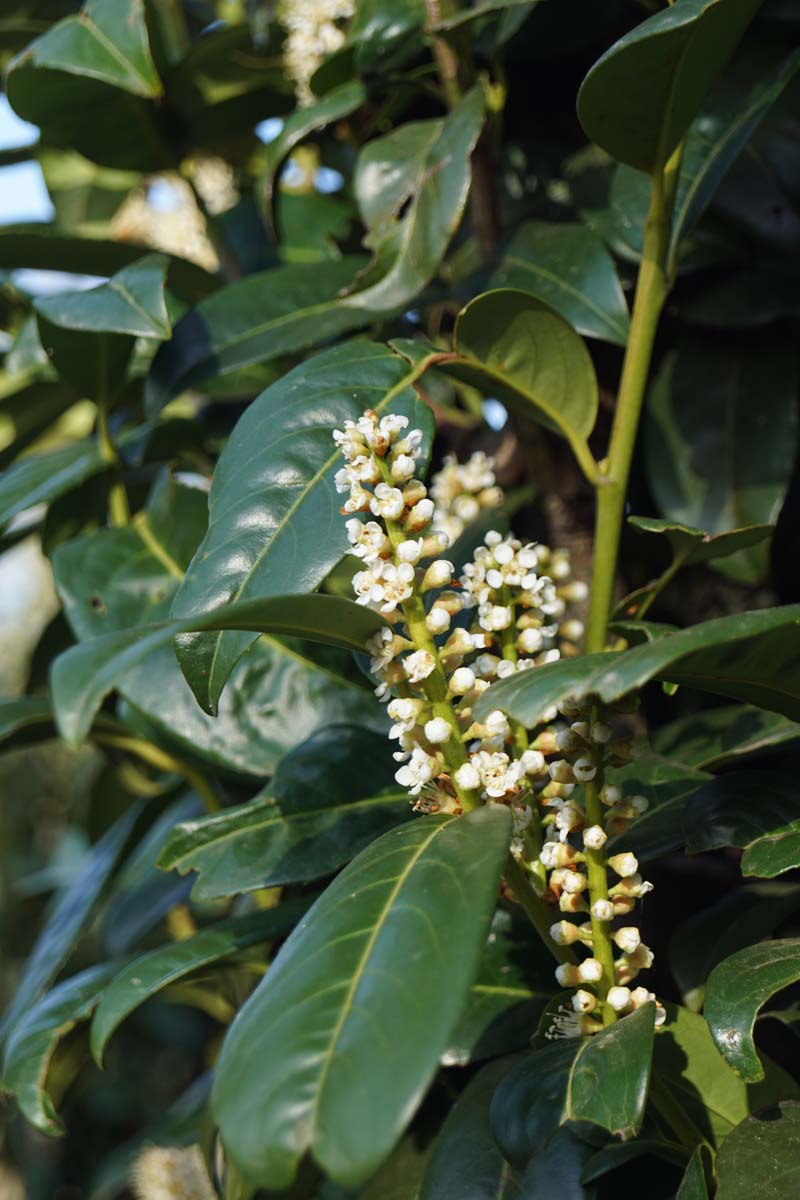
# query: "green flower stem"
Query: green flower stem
119,512
163,762
597,875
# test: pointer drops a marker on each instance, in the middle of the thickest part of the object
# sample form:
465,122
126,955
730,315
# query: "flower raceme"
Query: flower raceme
448,639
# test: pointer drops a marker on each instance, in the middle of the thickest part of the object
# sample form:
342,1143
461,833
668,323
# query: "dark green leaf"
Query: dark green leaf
513,346
692,546
752,656
569,268
329,798
42,477
25,719
422,167
737,988
68,916
736,809
686,1061
33,1041
505,1002
738,919
617,1154
715,141
721,736
132,302
693,1185
773,853
151,972
560,1164
420,897
667,786
762,1156
639,99
602,1080
695,466
94,364
274,312
335,105
465,1160
275,524
82,677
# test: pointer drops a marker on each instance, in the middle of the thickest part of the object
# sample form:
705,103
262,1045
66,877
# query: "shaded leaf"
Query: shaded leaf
667,787
42,477
602,1080
567,267
773,853
82,677
692,546
762,1156
738,919
639,99
67,917
366,947
751,656
335,105
148,974
35,1037
693,1185
272,313
693,451
412,188
25,719
132,302
737,988
736,809
260,500
564,1160
330,797
720,736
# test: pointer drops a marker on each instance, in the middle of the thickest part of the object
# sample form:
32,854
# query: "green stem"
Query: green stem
119,512
651,292
163,762
443,52
597,875
657,585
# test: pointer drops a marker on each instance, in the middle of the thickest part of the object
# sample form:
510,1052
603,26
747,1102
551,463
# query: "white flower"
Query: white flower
583,1001
461,681
438,730
556,854
533,762
619,998
417,772
419,665
624,864
590,970
439,574
410,551
499,775
603,910
381,647
437,621
496,723
627,938
403,468
594,838
467,777
367,540
494,617
387,502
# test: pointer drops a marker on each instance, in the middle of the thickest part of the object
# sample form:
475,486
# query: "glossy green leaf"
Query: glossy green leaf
693,1185
68,917
737,809
737,988
513,346
714,143
762,1156
269,314
602,1080
422,169
43,477
98,60
82,677
95,364
35,1037
688,1064
752,656
466,1160
367,947
744,916
617,1154
693,451
567,267
132,302
721,736
148,974
514,983
639,99
25,719
691,546
274,519
334,106
330,797
773,853
667,786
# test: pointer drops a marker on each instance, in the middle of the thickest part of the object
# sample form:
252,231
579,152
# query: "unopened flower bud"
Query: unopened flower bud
561,771
575,882
584,1002
619,998
564,933
603,910
590,970
438,730
462,680
572,630
575,592
624,864
496,724
601,733
640,996
594,838
572,902
567,975
627,938
584,770
435,543
439,574
530,641
467,777
420,516
410,551
533,762
437,621
610,794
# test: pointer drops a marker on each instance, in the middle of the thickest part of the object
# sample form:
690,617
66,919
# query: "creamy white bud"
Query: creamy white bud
610,794
403,468
572,630
410,551
467,777
564,933
561,771
439,574
575,882
530,641
583,1001
420,516
639,804
603,910
594,838
567,974
496,723
619,998
624,864
437,621
505,669
640,996
590,970
462,680
437,730
584,770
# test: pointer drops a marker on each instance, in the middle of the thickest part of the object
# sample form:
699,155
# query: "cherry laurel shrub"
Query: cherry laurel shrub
408,482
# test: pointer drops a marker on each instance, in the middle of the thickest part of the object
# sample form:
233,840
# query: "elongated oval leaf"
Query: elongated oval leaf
693,1185
336,104
132,302
36,1035
148,974
568,267
348,1026
692,546
513,346
639,99
762,1156
269,314
83,676
330,797
737,809
427,164
774,852
43,477
721,736
274,519
751,656
737,988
